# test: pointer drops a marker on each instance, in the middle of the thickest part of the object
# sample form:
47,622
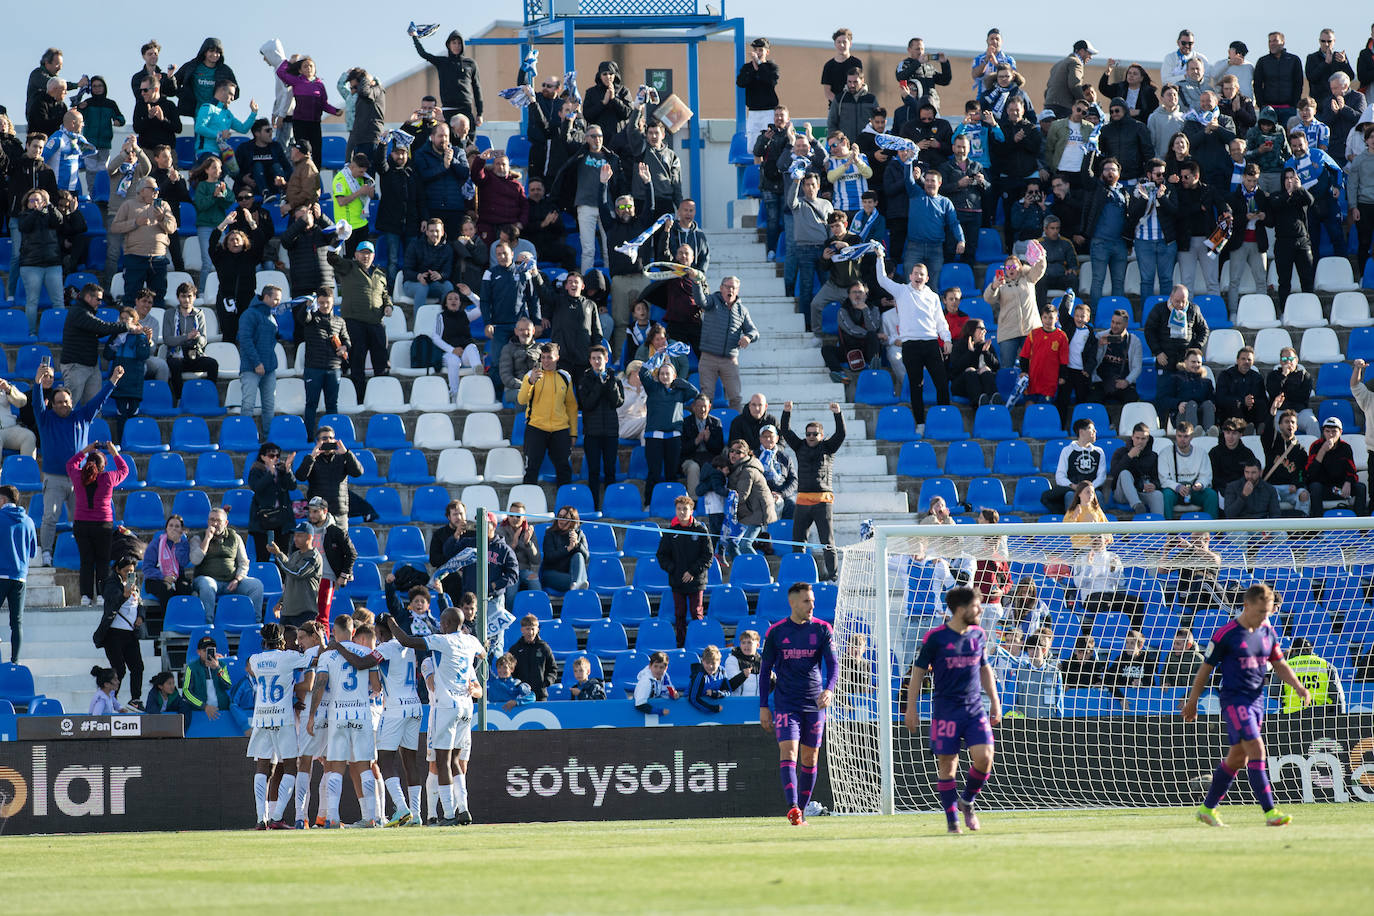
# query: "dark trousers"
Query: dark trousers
1286,257
974,385
689,332
822,516
1258,415
1364,234
121,648
1076,389
919,355
368,339
260,538
1324,493
310,130
896,231
141,272
12,591
557,445
602,454
664,457
317,382
970,221
93,544
179,365
685,605
126,409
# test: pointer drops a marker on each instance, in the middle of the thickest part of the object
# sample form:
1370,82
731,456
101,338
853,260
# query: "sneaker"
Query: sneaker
998,399
1138,508
970,816
320,821
331,825
399,819
446,822
47,558
85,600
983,399
1276,818
837,376
1209,816
279,825
136,704
770,256
361,823
794,816
302,825
464,818
261,825
954,829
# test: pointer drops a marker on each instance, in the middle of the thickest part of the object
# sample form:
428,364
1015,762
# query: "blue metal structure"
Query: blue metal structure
686,22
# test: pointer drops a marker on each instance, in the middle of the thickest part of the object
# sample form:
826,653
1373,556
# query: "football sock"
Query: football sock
806,781
446,800
432,793
415,801
398,795
949,795
378,792
288,782
332,794
1221,781
1258,772
460,791
260,796
976,780
303,795
368,802
787,771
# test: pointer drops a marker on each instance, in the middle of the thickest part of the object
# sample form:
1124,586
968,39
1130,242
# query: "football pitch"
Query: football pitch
1148,861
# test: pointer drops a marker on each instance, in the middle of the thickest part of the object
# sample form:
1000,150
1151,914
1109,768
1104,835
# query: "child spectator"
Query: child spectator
586,686
533,658
713,489
163,697
742,665
1043,357
654,685
709,683
506,690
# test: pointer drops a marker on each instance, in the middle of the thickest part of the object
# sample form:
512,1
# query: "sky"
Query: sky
348,33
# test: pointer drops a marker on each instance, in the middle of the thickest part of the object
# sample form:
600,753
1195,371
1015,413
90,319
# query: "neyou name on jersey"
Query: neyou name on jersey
625,778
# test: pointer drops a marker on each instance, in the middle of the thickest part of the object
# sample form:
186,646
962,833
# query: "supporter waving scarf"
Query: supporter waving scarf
629,248
422,31
663,270
460,560
519,96
854,252
894,143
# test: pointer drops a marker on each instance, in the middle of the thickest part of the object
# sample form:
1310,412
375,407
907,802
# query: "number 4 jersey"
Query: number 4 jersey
274,682
398,679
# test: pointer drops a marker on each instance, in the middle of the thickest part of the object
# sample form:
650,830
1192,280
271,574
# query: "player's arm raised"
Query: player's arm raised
1285,673
401,636
361,662
911,716
989,681
316,696
1204,675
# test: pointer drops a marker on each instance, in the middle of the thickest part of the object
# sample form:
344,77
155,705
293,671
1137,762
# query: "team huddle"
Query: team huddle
353,702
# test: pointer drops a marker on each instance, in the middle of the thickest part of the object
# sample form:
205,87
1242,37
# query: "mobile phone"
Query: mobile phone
999,276
131,580
45,362
329,446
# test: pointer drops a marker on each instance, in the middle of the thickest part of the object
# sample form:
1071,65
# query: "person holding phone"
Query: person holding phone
93,524
270,518
326,471
206,680
121,623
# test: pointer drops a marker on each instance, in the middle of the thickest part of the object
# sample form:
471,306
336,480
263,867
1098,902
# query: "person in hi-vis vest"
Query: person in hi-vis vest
1316,674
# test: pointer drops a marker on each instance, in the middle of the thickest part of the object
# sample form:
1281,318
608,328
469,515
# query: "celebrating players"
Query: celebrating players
1244,649
956,656
273,675
352,742
795,650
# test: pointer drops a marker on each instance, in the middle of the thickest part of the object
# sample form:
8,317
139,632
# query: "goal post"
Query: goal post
1088,626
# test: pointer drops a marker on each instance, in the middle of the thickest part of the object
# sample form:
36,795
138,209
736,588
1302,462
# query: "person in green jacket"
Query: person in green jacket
211,197
205,670
366,301
1318,675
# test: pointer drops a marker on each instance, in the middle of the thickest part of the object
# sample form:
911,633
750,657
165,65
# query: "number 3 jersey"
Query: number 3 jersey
349,688
398,679
274,683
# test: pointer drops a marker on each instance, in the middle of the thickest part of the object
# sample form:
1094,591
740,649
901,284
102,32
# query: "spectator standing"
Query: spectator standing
270,517
623,223
753,418
1174,327
932,221
39,260
147,226
325,339
1278,79
1185,474
917,76
64,432
549,400
565,555
221,566
815,487
1316,673
1066,84
311,101
519,355
501,199
257,340
1134,473
443,171
726,328
363,287
167,562
93,522
837,67
510,292
1152,222
1323,64
534,660
1210,132
665,395
1288,216
1166,120
754,510
606,103
165,80
18,547
398,210
81,338
655,174
963,182
575,326
851,108
1201,208
460,85
121,621
685,554
1266,145
236,264
1249,241
1104,225
600,394
1012,295
577,188
1332,478
1136,89
366,99
326,471
303,187
759,80
300,572
155,118
329,538
215,123
129,350
924,337
1042,359
809,231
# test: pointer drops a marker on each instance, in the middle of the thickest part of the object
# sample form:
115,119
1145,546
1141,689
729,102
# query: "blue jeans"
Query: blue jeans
744,543
1109,254
12,590
574,578
772,206
255,385
317,381
1156,259
805,285
931,254
421,292
209,591
140,272
391,251
35,278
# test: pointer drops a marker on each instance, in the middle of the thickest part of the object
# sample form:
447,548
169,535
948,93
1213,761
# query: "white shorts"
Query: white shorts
273,743
450,729
352,742
398,730
309,745
376,716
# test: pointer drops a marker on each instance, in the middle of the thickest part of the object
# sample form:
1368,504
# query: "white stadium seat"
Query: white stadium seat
348,398
1334,276
1320,345
483,430
532,495
1350,310
1138,412
1268,343
1222,345
430,393
395,325
384,395
479,495
227,355
1256,311
1303,310
476,393
504,465
435,431
457,466
400,360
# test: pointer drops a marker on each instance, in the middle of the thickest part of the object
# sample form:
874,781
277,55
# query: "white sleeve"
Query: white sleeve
1061,470
437,335
641,689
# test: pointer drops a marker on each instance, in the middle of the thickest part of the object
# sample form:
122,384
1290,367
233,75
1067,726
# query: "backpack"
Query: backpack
425,355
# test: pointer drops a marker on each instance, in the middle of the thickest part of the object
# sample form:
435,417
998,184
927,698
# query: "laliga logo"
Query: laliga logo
92,798
66,725
1324,753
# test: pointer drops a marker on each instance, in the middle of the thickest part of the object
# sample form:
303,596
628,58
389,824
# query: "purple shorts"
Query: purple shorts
946,733
1243,720
808,727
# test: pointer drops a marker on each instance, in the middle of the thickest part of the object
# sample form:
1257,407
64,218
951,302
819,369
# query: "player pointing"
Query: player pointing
1243,649
956,656
794,651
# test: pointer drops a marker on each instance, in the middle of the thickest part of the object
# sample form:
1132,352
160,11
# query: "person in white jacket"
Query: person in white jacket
924,335
1185,475
284,103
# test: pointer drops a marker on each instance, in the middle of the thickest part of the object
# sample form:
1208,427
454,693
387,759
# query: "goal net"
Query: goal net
1095,633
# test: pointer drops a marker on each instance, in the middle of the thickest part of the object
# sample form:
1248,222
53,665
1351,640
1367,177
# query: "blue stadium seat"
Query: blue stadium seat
235,612
639,464
142,436
830,318
250,642
518,151
132,481
772,603
749,183
932,487
601,540
992,421
703,633
1026,499
1049,458
191,504
1343,410
987,493
366,581
796,567
27,360
605,637
627,666
365,543
184,613
623,502
1098,414
14,327
288,432
47,706
750,572
895,424
581,608
65,553
200,397
606,575
157,400
780,535
405,543
917,459
270,576
22,473
1013,459
16,684
532,602
874,387
1214,311
332,151
50,323
656,635
945,423
1041,421
168,471
1333,381
578,496
238,434
387,502
728,604
662,498
989,249
216,470
370,476
409,466
955,273
741,150
143,509
649,577
642,540
386,432
965,459
1360,345
629,606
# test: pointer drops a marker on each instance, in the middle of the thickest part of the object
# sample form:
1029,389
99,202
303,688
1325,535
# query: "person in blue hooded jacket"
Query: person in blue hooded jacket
18,545
257,339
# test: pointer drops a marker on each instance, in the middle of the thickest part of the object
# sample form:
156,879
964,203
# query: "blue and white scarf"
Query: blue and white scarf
894,143
519,96
460,560
570,83
126,178
530,64
853,252
675,349
730,527
423,31
629,248
772,471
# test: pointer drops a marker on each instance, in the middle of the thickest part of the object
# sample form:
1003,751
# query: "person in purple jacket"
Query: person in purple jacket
799,670
312,101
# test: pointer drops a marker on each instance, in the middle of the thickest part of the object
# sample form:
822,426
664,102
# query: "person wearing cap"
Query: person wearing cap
1066,83
364,289
206,680
326,471
301,573
1230,456
1278,80
1332,478
220,558
329,537
303,187
759,80
147,226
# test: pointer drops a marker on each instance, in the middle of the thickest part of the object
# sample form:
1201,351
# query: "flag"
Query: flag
398,137
730,526
570,84
461,560
423,31
530,64
854,252
519,96
1034,252
629,248
894,143
664,270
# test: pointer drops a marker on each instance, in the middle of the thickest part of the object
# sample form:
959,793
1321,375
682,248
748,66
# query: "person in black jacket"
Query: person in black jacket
1016,157
270,515
545,110
815,487
1210,132
457,515
398,212
305,241
1241,394
460,86
685,554
196,79
1076,377
325,339
1126,140
574,324
155,118
1133,477
703,438
236,265
1178,309
1200,208
973,365
1287,216
599,394
747,425
1135,78
81,337
563,561
1278,79
534,661
759,80
326,471
1249,241
606,103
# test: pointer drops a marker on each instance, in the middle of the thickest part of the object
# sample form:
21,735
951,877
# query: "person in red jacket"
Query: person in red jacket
500,195
1043,356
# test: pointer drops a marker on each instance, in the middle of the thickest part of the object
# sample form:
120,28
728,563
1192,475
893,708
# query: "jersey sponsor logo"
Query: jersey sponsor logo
798,653
679,777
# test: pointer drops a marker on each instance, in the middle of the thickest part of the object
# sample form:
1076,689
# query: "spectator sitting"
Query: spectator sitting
685,555
1084,667
564,564
205,683
301,572
1186,394
861,334
517,531
1241,392
167,563
428,264
653,686
505,690
1286,463
1135,667
1230,456
1186,475
442,541
1039,685
1081,460
164,698
778,471
533,659
1025,612
1331,472
1134,473
703,438
709,683
106,700
992,571
1251,496
1289,387
742,665
1173,328
221,566
712,491
1178,666
1119,362
1084,507
585,687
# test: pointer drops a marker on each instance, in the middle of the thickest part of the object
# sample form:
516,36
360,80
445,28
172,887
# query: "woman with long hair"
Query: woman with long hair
236,264
1179,152
312,101
973,365
167,569
106,702
93,525
564,566
1135,87
211,198
122,622
270,515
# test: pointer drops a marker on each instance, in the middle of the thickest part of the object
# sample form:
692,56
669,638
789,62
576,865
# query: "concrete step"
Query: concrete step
866,483
858,466
44,595
870,502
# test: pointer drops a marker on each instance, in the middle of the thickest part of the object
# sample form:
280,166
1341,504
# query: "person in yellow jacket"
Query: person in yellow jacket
1316,674
546,393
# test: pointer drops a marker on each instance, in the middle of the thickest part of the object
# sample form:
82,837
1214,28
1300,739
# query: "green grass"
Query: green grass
1150,861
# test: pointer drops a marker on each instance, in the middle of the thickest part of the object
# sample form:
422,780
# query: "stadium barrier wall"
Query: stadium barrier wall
120,785
1314,756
